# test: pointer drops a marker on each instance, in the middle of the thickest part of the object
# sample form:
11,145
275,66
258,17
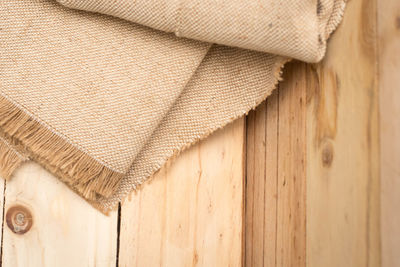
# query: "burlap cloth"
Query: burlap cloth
103,101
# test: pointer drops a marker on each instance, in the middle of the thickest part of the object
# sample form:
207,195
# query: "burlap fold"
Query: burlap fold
103,102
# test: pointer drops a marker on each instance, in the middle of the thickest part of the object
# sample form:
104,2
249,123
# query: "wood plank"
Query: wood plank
66,231
191,212
2,187
261,183
389,95
291,209
276,178
343,146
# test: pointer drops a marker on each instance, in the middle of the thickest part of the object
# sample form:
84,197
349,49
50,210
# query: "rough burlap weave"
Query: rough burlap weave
102,92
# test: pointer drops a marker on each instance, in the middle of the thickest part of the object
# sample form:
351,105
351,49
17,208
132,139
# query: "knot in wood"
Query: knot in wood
327,155
19,219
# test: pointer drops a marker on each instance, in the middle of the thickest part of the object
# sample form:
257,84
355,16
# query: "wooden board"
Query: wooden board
320,206
389,95
276,179
343,146
2,187
262,184
65,231
191,213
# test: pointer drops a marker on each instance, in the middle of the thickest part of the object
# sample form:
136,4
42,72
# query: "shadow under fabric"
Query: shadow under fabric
104,101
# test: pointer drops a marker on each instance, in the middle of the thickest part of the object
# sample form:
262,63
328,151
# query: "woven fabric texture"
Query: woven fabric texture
104,100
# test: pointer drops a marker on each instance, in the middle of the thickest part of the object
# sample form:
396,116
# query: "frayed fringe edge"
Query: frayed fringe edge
72,166
106,208
10,159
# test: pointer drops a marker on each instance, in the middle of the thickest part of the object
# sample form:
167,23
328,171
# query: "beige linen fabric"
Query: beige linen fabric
213,98
93,80
102,102
292,28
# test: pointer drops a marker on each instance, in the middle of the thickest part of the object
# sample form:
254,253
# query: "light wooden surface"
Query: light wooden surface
389,88
262,184
343,146
66,231
296,183
325,204
191,213
276,180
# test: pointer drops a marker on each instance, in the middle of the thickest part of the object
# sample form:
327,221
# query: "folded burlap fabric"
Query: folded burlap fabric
102,102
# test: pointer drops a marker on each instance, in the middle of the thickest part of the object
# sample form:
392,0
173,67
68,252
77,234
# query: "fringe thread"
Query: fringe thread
10,159
74,167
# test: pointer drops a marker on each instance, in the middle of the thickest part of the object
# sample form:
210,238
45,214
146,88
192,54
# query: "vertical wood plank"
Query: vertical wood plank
291,209
191,212
276,178
343,146
2,187
271,185
261,183
66,231
389,95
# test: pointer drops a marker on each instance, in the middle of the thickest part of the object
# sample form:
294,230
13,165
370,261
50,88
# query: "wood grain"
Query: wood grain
66,231
261,183
276,178
343,146
191,212
2,187
327,191
291,209
389,95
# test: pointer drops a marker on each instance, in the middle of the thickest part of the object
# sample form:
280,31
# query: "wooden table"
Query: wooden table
295,183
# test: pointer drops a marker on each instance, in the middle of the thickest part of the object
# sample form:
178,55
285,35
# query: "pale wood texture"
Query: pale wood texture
343,146
389,95
262,183
2,187
276,179
190,213
291,212
320,206
66,231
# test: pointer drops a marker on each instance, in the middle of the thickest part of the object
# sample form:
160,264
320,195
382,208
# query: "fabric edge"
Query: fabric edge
336,17
10,159
333,21
55,154
277,71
